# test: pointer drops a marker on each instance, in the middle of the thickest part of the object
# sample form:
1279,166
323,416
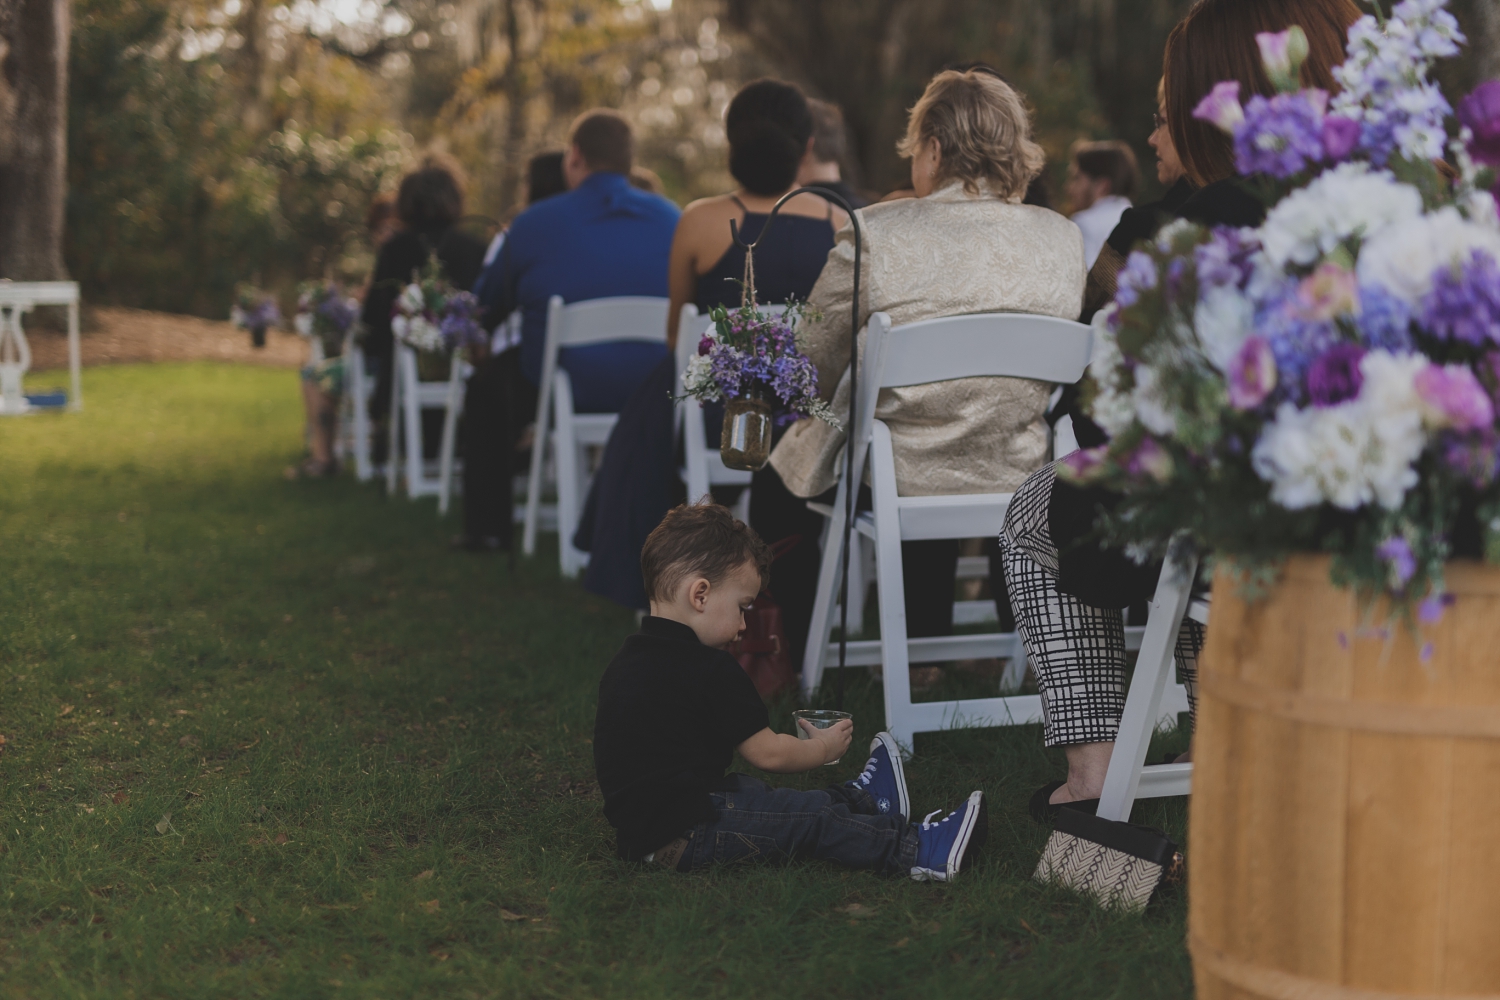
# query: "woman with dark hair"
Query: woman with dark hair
429,203
1067,590
769,129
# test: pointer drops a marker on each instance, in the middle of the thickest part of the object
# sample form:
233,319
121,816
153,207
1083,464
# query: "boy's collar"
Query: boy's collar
666,628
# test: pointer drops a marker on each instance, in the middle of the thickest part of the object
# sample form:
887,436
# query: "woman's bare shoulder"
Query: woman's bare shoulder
714,205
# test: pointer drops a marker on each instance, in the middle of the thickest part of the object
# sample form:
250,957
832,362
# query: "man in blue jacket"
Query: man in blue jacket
604,238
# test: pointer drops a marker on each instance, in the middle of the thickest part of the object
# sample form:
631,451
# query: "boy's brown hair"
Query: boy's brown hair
700,539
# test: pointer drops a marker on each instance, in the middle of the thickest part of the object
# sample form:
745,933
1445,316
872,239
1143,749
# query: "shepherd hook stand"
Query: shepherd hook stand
734,231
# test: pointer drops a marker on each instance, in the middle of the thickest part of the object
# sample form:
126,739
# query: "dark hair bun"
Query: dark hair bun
768,125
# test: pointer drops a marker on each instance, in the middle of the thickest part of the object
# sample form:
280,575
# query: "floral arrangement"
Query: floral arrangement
324,311
751,353
431,315
1330,380
253,309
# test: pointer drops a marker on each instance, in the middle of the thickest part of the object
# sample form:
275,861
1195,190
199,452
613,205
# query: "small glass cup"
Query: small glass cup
821,718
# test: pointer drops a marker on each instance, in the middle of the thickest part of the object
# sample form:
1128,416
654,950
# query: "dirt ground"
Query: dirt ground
114,335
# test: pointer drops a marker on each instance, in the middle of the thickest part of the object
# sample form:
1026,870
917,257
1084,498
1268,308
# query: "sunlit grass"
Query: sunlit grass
273,739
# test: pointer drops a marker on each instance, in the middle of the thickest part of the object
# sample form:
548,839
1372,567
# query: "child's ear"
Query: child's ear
698,593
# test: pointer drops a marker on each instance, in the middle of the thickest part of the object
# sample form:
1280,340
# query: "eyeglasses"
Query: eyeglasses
1158,121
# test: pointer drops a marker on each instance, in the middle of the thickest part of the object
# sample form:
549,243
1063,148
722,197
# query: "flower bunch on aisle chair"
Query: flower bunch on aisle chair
325,313
434,318
1328,381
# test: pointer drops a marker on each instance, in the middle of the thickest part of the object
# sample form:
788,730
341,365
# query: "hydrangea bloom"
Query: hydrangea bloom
1401,257
1225,259
748,353
1281,136
1358,452
1348,201
1138,275
1464,303
1384,320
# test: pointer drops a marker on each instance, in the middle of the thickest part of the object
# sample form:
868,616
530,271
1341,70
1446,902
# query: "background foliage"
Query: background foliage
213,141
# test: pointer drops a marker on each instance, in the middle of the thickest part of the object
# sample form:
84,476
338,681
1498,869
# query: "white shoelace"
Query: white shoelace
868,774
927,823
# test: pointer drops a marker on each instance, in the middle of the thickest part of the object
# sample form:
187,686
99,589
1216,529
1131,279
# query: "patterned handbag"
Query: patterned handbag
1119,864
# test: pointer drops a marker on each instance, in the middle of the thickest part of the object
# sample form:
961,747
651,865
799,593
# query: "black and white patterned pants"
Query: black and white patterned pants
1077,650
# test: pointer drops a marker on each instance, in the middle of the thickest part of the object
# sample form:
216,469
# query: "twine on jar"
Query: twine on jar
747,284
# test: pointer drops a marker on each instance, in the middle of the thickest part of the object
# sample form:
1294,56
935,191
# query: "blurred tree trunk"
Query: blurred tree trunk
33,137
513,86
259,82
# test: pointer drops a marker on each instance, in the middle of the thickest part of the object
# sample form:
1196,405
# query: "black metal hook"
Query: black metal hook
849,472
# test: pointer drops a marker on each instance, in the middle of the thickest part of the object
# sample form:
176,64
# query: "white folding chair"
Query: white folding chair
1004,344
355,439
409,397
1154,699
569,434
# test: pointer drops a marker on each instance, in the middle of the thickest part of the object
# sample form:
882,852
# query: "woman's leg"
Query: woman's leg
1078,653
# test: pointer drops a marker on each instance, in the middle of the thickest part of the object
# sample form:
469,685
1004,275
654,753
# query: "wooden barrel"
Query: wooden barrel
1344,839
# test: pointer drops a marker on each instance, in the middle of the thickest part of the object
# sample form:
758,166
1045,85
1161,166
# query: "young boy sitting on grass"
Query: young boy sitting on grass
674,707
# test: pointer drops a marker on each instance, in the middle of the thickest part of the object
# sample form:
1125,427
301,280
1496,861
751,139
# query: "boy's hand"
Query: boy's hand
835,738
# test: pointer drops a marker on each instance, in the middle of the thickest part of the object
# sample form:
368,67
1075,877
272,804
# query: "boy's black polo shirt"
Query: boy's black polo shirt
671,712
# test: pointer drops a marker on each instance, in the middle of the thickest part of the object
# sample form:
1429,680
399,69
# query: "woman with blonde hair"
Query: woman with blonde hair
964,244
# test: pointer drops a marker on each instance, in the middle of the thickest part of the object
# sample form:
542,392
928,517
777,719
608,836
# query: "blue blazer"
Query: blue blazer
604,238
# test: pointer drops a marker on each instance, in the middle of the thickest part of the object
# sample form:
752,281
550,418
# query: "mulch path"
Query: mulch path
114,335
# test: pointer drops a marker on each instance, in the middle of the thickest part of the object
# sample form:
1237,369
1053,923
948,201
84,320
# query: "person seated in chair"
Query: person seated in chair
1101,181
602,239
964,244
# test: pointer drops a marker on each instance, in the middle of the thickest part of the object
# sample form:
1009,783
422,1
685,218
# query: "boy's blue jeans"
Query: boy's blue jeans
838,824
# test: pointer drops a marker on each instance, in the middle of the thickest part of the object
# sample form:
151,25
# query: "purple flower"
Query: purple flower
1473,457
1430,612
1335,376
705,344
1252,374
1403,564
1340,136
1149,459
1464,303
1221,106
1384,320
1138,275
1282,53
1480,112
1281,136
1455,398
1295,340
1224,258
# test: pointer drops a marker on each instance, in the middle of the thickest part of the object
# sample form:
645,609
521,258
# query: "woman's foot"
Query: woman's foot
1054,795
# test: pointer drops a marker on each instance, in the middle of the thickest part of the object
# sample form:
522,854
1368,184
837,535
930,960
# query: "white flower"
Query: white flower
1403,257
1349,200
1152,408
1112,410
698,380
411,300
1222,320
416,332
1358,452
304,324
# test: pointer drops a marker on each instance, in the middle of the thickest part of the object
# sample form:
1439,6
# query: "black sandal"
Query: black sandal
1045,811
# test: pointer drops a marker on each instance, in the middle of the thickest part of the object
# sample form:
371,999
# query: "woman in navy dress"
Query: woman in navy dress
769,129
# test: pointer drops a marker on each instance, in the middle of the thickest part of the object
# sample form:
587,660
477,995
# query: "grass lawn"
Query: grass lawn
273,739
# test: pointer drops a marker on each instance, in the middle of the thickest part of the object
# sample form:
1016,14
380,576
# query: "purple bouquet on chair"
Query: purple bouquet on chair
431,315
749,353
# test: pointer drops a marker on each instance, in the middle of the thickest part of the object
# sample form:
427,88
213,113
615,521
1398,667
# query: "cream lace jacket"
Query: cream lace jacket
948,254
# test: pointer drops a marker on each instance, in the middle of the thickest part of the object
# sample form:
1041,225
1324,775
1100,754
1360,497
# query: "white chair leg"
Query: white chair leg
541,439
1153,666
450,436
570,475
412,404
829,569
894,652
393,446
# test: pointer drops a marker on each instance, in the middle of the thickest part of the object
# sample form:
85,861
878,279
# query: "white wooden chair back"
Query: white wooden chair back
1009,345
594,321
409,397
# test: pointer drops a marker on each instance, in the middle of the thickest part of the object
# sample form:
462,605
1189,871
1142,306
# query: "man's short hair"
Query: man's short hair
830,139
700,539
605,139
1111,161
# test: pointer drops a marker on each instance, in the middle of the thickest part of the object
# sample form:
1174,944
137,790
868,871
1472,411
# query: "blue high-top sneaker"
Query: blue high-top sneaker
945,847
885,779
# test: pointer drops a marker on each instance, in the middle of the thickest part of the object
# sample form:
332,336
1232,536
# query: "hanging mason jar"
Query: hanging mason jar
745,443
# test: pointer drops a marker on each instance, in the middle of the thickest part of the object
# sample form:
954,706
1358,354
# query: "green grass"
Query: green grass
273,739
